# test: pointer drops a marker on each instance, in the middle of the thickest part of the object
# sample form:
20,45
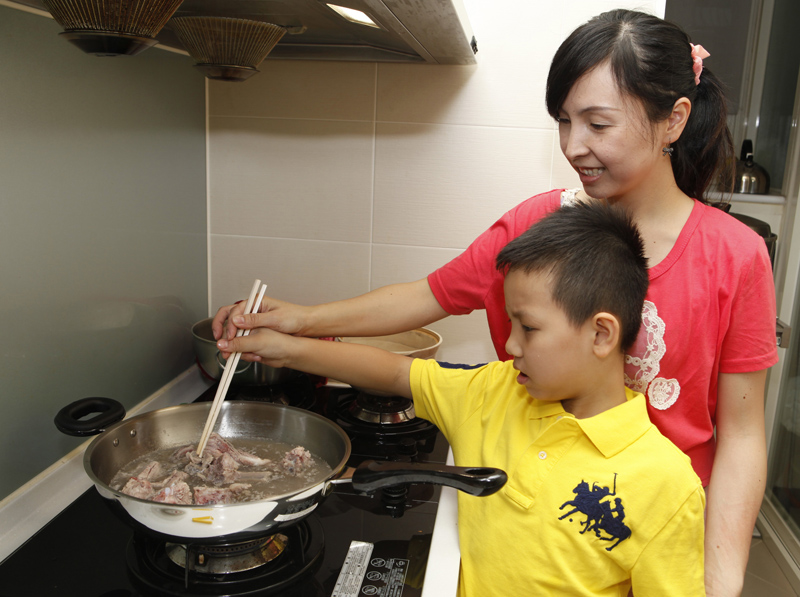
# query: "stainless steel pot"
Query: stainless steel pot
247,374
123,442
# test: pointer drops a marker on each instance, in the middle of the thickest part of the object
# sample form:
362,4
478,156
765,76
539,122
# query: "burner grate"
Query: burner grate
227,559
287,574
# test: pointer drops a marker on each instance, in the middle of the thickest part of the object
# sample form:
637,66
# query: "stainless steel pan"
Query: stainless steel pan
122,442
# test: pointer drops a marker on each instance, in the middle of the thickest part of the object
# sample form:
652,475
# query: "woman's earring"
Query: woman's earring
666,151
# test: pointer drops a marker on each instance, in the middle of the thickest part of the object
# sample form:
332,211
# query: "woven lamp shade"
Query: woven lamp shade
225,48
112,27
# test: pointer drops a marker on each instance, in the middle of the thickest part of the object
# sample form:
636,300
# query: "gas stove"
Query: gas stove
352,544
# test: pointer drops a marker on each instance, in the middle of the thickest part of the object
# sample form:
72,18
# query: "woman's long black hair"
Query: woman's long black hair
651,61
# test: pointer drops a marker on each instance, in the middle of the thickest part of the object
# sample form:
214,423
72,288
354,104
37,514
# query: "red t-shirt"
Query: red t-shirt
710,309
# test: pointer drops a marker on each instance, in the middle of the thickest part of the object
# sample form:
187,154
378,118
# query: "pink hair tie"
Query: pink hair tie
698,53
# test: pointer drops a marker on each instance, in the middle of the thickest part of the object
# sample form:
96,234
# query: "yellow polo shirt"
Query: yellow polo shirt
592,506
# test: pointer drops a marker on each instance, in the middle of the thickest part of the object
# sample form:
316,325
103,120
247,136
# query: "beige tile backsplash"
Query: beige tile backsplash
328,179
300,89
291,178
297,270
454,180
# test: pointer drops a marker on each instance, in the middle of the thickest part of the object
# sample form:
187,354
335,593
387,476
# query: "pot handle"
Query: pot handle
481,481
68,420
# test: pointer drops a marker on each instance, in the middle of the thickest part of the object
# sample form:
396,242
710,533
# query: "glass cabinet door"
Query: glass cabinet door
783,476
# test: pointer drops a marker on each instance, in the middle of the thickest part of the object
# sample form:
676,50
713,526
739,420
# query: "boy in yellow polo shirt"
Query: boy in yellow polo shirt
597,501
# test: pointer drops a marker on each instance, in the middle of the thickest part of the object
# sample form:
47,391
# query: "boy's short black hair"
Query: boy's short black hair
595,255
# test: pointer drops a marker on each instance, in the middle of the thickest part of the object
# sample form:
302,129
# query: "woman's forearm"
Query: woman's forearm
734,498
737,481
387,310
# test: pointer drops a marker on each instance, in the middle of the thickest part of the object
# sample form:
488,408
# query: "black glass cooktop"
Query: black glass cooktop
88,551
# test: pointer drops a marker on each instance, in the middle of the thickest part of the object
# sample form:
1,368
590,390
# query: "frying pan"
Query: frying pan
119,443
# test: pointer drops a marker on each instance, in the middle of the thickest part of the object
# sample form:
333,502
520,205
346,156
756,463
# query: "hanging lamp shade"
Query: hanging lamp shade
112,27
225,48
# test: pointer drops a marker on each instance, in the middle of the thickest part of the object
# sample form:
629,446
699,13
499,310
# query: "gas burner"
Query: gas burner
281,564
412,440
227,559
345,404
299,392
374,408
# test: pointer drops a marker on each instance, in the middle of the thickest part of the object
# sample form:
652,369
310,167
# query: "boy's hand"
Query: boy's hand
261,345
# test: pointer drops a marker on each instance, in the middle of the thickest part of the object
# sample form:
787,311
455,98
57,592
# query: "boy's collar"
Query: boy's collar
611,431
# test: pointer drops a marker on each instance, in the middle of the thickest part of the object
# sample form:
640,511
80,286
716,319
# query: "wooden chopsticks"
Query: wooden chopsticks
252,306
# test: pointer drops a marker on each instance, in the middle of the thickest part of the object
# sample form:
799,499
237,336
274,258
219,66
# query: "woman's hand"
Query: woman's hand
273,314
386,310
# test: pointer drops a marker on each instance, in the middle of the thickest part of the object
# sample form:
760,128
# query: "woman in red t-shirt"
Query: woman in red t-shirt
644,126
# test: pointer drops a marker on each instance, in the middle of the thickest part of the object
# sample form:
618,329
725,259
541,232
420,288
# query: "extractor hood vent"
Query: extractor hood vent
432,31
227,49
111,27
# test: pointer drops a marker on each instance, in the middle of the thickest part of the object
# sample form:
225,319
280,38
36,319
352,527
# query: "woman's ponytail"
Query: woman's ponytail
705,150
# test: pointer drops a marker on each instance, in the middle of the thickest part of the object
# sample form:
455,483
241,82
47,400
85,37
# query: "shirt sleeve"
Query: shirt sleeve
671,565
749,343
447,395
461,285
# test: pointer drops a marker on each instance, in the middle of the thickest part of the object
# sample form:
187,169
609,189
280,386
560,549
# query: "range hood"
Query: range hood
432,31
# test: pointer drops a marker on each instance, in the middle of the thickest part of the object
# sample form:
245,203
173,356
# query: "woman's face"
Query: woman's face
607,139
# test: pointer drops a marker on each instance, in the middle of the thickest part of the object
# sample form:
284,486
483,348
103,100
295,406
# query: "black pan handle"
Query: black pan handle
371,475
68,420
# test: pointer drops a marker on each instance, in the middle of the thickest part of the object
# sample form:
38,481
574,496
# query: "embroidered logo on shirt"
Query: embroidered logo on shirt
605,519
641,371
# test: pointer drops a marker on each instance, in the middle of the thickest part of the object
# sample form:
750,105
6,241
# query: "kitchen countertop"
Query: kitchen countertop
444,560
42,498
33,505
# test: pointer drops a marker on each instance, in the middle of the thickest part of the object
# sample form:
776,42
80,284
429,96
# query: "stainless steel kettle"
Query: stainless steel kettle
750,177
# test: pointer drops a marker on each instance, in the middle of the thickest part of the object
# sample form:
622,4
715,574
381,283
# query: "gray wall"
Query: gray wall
720,26
102,231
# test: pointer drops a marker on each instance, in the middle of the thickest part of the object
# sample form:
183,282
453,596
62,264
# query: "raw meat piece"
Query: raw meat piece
197,465
174,489
206,496
222,470
216,443
151,471
182,453
138,488
140,485
295,460
176,493
174,478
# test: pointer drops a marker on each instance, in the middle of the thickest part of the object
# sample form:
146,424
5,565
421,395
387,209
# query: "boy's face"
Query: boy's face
553,356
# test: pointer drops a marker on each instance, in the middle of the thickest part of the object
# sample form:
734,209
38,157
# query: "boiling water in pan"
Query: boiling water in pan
275,480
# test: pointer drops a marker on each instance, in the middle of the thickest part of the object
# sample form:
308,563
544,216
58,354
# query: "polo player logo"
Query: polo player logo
606,521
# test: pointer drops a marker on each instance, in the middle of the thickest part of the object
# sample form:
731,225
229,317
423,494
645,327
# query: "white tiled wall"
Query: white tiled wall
329,179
